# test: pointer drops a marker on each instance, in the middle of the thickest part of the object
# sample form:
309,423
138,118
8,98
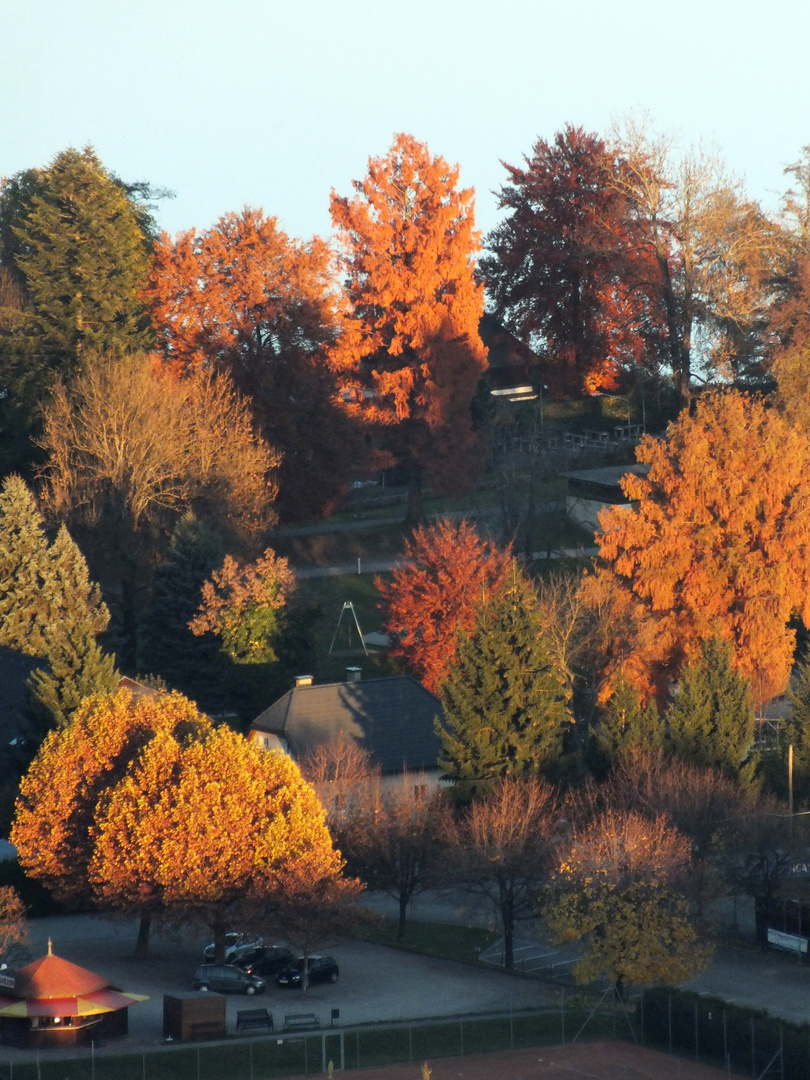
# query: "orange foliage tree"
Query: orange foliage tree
211,828
70,780
716,544
409,354
245,298
241,606
446,572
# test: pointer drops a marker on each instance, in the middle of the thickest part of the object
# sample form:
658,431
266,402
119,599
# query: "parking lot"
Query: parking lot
376,983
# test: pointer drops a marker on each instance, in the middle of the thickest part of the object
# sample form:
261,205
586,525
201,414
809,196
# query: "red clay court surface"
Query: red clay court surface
580,1061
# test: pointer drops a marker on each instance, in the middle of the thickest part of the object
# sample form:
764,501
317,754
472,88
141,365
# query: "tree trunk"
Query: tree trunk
508,920
403,912
142,944
415,513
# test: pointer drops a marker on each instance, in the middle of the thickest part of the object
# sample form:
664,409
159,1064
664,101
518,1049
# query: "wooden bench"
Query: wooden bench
301,1021
253,1019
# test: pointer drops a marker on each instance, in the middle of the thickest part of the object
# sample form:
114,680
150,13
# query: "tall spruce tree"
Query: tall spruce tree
193,665
711,722
49,609
504,699
77,666
23,555
626,725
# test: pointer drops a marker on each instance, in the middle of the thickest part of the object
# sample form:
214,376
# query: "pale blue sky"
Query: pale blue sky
273,104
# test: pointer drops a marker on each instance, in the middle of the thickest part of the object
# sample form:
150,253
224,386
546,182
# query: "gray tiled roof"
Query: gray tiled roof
390,718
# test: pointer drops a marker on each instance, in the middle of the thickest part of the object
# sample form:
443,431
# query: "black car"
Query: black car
319,969
228,979
233,942
264,961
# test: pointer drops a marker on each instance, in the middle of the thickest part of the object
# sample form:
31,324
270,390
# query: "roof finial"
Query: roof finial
50,948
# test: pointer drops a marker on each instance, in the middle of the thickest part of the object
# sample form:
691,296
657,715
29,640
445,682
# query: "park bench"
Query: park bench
253,1019
301,1021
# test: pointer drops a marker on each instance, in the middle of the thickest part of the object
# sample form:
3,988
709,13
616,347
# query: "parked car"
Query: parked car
265,961
319,969
234,940
228,979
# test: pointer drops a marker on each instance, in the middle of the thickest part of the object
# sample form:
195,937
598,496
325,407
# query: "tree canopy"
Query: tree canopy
445,572
409,356
504,698
715,544
245,299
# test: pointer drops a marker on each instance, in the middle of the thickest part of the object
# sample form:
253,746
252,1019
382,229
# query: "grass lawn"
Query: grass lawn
444,940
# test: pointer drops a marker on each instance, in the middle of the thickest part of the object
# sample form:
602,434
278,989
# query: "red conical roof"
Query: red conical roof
53,977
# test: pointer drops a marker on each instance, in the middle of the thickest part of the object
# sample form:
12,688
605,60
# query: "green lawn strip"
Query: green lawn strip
443,940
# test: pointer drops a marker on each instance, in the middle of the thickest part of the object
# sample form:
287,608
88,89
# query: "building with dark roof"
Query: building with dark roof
391,718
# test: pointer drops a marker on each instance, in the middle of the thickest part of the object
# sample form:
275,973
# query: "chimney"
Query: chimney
353,674
303,680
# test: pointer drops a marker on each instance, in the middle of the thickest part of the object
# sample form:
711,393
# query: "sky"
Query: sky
271,104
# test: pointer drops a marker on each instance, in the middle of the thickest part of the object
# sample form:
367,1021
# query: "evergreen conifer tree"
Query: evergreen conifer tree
23,556
77,666
711,722
797,730
504,700
192,665
626,724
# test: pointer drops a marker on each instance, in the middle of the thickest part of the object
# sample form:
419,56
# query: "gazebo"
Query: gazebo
55,1003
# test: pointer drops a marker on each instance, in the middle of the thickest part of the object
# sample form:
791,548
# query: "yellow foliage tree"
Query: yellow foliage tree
715,545
209,829
617,888
71,778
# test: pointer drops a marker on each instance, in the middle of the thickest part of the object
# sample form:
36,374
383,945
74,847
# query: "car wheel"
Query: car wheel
250,989
204,986
333,977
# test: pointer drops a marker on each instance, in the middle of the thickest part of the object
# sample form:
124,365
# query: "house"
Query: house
589,490
391,718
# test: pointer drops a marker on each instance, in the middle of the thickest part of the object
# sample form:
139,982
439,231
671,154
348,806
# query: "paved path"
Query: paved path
379,566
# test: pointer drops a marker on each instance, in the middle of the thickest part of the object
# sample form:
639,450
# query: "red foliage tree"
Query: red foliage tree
409,354
244,297
446,572
562,269
716,544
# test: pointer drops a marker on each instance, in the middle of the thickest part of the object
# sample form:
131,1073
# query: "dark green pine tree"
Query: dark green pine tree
711,722
193,665
83,250
796,732
23,559
77,666
626,725
504,700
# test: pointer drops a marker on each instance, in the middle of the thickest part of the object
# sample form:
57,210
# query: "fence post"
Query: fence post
511,1026
696,1029
669,1002
410,1042
198,1063
753,1052
642,1016
562,1014
250,1052
461,1036
725,1043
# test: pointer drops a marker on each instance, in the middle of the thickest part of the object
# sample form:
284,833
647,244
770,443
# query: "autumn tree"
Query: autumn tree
13,927
502,849
712,546
710,259
445,572
560,269
409,356
211,827
341,772
617,889
245,299
711,722
389,837
130,451
504,701
241,605
796,731
65,791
